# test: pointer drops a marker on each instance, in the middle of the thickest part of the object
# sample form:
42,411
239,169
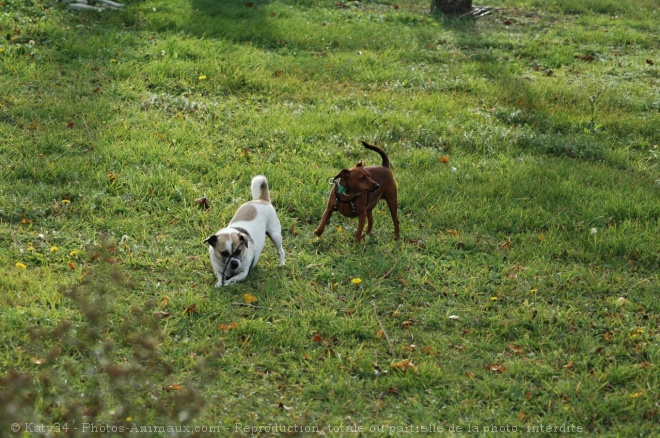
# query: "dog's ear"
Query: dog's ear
342,174
244,239
360,163
212,240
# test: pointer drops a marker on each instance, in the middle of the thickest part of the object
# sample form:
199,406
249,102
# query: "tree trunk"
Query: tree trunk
452,7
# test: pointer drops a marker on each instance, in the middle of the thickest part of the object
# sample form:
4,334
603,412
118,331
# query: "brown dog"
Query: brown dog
357,190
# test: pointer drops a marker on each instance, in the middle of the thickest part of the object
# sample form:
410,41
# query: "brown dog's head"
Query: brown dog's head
357,180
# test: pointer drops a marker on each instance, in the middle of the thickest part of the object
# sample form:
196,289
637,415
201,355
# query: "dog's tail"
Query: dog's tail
386,161
260,190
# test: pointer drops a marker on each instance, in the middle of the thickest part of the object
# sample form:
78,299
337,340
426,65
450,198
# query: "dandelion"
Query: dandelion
66,201
356,281
54,249
202,77
20,265
494,298
249,298
74,253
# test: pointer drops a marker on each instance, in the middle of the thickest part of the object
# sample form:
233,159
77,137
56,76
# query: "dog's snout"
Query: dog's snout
234,264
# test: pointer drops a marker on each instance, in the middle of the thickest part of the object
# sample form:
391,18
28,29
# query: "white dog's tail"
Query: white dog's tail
260,188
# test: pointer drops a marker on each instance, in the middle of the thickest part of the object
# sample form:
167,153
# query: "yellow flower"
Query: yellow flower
66,201
249,298
74,253
202,78
113,60
494,298
20,265
54,249
356,281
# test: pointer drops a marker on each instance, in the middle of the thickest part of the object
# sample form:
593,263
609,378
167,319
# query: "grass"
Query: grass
522,295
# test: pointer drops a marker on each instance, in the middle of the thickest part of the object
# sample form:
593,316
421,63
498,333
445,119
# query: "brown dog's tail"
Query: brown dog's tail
386,161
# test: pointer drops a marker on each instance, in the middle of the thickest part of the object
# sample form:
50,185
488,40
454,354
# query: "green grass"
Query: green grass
524,289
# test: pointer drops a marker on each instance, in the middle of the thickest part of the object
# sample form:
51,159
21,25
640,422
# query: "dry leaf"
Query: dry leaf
249,299
444,159
404,365
407,323
379,335
203,202
161,314
569,365
516,349
226,327
317,338
174,387
72,266
190,309
37,360
495,368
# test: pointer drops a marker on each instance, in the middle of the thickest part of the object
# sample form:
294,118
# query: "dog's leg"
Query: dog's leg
370,222
361,220
240,276
326,215
276,238
393,205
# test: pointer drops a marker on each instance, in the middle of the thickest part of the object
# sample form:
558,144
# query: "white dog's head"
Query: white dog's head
228,249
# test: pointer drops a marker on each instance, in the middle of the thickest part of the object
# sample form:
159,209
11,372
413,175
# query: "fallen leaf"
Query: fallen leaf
111,176
608,336
404,282
226,327
174,387
285,407
69,125
569,365
470,374
649,61
516,349
317,338
161,314
495,368
454,317
407,323
636,394
37,360
404,365
444,159
452,232
426,350
507,22
380,333
203,202
190,309
249,299
26,221
521,416
72,266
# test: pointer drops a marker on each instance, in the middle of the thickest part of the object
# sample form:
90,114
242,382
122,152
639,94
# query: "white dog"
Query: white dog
235,250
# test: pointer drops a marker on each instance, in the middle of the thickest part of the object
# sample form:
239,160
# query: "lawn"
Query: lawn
522,297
